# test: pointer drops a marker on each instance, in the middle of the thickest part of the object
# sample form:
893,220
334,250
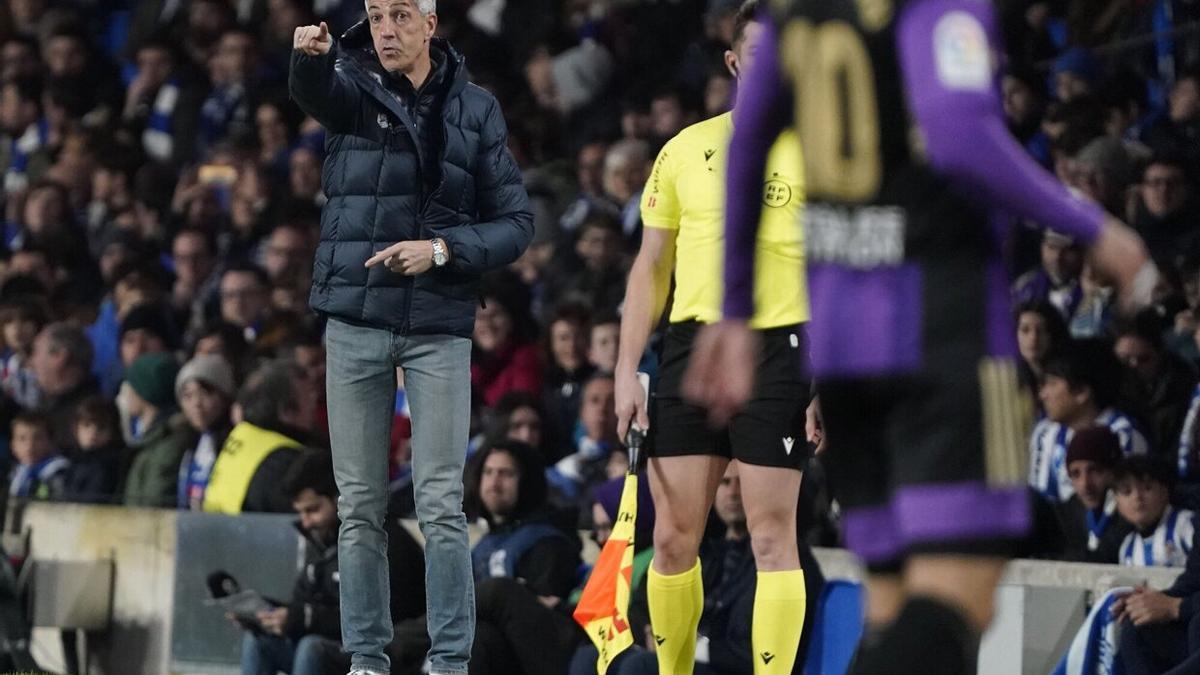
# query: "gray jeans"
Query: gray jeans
361,388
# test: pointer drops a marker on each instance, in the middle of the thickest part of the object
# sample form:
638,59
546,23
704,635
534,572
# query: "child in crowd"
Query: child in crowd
1162,535
605,337
96,460
19,324
40,471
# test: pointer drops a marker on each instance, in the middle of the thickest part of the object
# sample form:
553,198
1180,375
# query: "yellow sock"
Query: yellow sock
778,621
676,601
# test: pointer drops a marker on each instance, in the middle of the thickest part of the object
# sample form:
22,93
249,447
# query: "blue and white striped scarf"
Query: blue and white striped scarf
1094,649
1188,461
156,138
34,138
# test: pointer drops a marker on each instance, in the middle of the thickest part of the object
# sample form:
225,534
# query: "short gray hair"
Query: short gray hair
269,391
425,7
63,337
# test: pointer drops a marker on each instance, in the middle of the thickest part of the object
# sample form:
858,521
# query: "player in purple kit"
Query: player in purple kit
909,168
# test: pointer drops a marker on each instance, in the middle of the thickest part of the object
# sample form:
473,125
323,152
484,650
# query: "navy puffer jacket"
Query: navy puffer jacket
373,178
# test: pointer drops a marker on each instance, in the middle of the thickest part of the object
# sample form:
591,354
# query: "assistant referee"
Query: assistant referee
683,211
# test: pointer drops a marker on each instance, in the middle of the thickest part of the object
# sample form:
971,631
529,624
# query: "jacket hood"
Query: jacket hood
356,42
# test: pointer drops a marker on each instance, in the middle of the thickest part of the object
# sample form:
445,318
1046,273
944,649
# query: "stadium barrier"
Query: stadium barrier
155,563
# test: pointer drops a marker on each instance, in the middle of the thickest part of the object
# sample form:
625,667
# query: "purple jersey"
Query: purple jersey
885,197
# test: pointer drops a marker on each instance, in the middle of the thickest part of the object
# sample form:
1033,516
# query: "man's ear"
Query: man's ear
431,23
731,63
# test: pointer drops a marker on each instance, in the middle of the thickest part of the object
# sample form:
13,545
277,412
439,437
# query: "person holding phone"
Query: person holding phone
302,637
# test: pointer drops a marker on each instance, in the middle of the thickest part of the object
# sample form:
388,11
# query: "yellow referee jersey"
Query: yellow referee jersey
686,193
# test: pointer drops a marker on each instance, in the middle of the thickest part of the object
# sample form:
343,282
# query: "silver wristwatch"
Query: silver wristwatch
439,253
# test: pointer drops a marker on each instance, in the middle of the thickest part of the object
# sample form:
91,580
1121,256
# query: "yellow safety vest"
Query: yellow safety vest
240,457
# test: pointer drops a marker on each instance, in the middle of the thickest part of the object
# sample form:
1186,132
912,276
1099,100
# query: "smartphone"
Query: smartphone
221,177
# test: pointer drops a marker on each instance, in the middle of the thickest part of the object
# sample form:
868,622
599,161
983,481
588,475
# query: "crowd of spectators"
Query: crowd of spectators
161,204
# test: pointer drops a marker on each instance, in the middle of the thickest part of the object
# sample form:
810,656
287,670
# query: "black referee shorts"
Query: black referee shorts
769,431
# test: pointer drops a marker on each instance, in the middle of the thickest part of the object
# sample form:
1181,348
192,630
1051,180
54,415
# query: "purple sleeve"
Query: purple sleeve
963,127
760,114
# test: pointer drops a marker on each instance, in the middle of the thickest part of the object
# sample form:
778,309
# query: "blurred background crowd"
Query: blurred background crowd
161,199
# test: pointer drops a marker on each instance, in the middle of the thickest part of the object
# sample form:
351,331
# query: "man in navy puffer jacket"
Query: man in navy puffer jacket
423,198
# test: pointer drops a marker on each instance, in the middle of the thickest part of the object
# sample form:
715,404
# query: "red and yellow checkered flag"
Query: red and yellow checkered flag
603,608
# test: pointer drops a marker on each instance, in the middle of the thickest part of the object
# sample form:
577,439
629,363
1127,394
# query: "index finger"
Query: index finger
379,257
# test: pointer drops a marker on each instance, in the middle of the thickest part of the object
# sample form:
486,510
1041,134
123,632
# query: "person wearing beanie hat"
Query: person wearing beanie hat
205,389
1076,75
147,404
209,369
145,330
1092,530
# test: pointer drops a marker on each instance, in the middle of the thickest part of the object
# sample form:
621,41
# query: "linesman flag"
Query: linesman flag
603,609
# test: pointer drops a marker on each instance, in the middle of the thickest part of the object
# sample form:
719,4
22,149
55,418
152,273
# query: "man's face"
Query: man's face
154,64
1185,100
601,525
747,49
1091,481
493,326
16,114
31,264
1062,404
728,500
1069,86
272,129
304,173
202,405
525,425
310,359
623,177
666,116
235,58
64,55
499,487
597,410
590,168
566,344
1062,261
1095,182
139,342
244,301
1164,189
598,247
605,342
287,249
1139,356
1019,101
1141,501
400,33
17,59
318,514
193,261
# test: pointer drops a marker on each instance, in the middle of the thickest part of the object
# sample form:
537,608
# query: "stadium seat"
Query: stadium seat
836,630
